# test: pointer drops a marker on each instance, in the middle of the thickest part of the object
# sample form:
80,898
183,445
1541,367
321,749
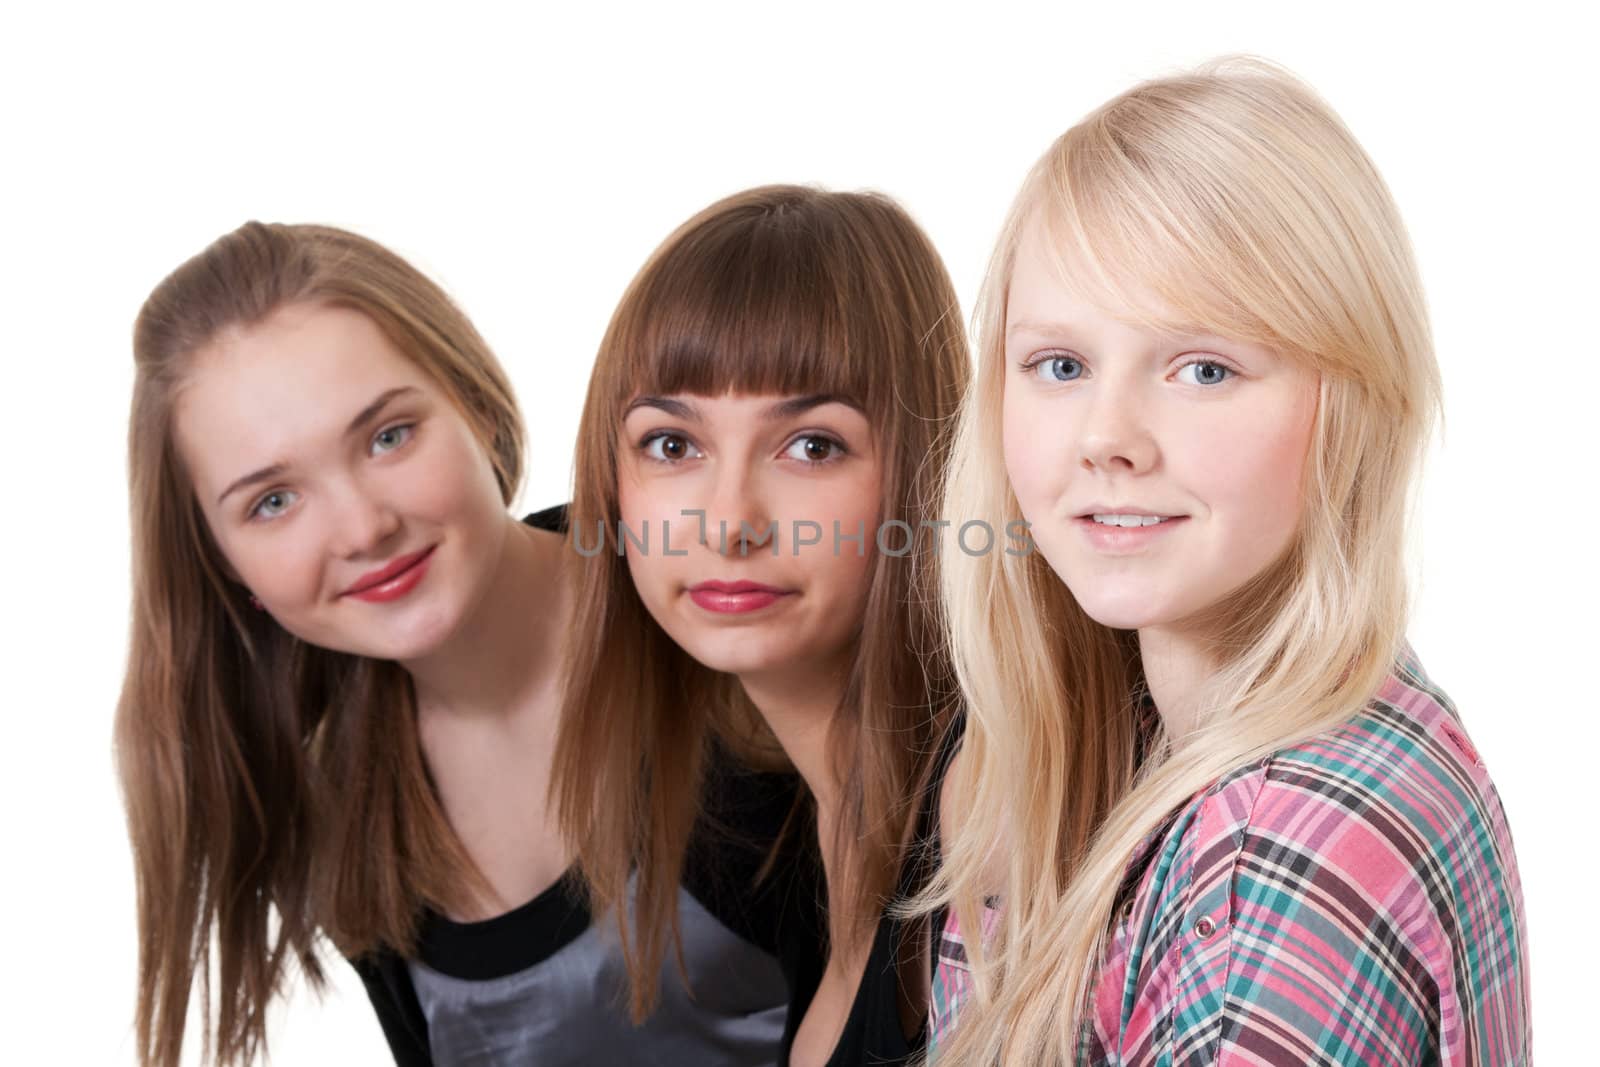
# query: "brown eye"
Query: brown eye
814,448
669,447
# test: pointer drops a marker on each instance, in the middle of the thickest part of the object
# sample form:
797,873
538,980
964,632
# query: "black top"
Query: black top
873,1034
744,813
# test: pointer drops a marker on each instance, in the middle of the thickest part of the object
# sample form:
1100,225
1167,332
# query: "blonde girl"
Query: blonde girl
1220,812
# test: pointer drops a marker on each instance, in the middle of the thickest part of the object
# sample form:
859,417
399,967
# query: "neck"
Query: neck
506,649
800,713
1177,665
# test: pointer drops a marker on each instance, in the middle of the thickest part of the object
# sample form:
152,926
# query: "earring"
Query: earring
256,603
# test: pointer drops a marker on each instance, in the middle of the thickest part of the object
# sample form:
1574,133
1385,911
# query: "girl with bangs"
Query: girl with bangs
757,461
1210,808
341,700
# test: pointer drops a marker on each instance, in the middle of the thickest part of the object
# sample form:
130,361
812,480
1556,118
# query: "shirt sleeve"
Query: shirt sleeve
1307,932
394,999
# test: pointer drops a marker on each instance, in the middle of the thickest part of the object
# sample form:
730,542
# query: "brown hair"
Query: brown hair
777,290
264,776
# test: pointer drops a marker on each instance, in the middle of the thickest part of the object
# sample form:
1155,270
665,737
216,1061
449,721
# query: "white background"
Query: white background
530,162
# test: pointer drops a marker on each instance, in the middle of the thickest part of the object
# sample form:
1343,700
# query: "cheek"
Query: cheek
1025,433
280,567
458,479
1254,467
638,506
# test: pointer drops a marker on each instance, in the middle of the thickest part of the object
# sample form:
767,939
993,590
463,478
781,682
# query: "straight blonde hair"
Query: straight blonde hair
789,290
1239,200
275,791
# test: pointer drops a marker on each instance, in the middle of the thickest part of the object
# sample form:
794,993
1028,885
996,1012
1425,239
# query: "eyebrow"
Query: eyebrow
786,409
1051,329
370,412
783,409
678,409
1177,334
366,415
253,478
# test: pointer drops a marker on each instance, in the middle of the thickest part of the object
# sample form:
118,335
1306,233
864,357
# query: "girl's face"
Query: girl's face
345,490
1159,472
739,498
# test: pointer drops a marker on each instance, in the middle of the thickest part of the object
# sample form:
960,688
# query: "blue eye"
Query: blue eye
1059,369
669,447
1204,372
390,438
273,504
814,448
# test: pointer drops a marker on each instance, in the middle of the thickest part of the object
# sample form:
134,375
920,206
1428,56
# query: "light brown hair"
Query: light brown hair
274,789
776,290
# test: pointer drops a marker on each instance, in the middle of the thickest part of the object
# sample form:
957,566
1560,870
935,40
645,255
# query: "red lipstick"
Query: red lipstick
735,598
394,579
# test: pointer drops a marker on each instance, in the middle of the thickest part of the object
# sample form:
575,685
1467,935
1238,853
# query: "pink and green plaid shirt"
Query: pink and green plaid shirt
1351,900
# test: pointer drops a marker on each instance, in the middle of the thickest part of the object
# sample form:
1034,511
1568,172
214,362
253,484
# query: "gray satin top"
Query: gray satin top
571,1007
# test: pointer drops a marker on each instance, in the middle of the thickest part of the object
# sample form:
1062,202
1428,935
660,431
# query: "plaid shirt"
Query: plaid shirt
1350,900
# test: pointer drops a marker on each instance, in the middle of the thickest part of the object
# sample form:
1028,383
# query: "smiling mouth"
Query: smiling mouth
376,584
1130,520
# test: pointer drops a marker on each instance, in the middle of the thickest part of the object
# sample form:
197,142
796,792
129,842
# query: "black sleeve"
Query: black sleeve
394,999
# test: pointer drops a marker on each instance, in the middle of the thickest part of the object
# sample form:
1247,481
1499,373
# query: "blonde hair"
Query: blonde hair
1239,200
275,790
778,289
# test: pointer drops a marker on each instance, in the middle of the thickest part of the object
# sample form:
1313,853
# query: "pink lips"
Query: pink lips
394,579
735,598
1120,539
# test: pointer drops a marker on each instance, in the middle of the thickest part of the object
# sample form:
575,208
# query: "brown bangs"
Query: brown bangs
766,299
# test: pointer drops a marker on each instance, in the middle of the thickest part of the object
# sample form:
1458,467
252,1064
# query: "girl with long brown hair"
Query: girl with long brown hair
758,458
341,698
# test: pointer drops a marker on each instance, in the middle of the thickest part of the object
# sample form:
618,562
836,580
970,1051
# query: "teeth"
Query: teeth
1129,520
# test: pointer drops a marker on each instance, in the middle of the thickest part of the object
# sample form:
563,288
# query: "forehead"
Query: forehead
282,388
1056,282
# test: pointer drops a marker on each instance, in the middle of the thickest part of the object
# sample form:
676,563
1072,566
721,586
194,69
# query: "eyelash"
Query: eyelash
838,447
1037,360
1229,371
839,450
410,429
661,435
253,513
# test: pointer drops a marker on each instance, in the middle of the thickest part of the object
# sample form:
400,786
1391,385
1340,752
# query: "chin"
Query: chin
1121,609
416,639
732,653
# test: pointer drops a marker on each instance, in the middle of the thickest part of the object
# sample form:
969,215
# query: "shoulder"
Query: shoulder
1379,846
1397,794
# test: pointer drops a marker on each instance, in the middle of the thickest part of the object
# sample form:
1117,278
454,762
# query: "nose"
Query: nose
363,523
1114,436
738,521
